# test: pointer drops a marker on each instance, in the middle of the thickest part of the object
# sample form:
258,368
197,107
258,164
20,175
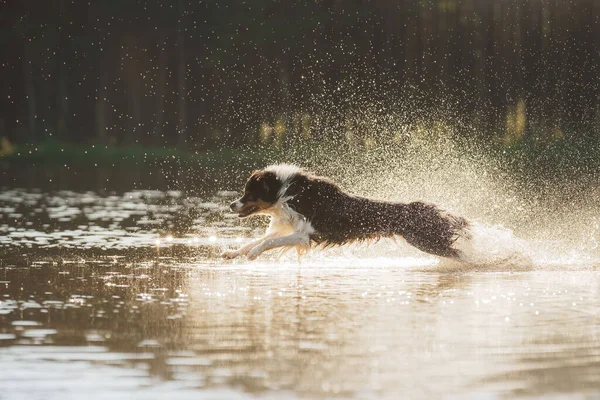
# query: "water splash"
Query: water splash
494,247
520,220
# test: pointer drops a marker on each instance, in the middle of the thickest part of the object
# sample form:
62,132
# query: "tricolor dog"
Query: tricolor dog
308,210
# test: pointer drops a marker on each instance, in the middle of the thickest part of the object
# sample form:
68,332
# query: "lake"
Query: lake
122,295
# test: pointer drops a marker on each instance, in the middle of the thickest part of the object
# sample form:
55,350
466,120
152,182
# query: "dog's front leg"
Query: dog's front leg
295,239
245,249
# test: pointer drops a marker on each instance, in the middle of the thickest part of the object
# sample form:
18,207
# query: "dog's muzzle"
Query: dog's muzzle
243,209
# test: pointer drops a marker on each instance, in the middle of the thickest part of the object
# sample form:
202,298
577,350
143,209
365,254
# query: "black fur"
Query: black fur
339,218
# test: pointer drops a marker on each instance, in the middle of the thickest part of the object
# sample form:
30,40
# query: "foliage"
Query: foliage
209,74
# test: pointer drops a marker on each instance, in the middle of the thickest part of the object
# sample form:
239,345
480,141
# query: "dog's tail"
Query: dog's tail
431,229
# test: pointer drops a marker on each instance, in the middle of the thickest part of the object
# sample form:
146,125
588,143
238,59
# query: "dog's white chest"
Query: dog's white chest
285,221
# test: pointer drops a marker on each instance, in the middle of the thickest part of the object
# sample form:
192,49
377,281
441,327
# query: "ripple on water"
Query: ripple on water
90,221
353,322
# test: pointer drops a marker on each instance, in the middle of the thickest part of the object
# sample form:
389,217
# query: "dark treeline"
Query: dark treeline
201,74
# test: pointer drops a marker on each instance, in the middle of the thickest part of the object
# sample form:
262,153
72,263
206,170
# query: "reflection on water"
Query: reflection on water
63,220
350,323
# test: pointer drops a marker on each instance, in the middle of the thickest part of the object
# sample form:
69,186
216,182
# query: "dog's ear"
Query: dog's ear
296,187
262,182
264,185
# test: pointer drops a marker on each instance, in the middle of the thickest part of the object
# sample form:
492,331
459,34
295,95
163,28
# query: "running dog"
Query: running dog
309,210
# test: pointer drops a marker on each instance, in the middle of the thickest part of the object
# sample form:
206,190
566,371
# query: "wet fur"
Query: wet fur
308,210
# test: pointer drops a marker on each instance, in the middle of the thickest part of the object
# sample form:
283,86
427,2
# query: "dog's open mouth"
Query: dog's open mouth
246,211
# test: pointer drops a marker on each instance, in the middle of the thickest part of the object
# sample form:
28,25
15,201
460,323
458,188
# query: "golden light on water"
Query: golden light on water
195,240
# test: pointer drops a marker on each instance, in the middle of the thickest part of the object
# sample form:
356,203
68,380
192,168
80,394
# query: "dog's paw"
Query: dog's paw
229,254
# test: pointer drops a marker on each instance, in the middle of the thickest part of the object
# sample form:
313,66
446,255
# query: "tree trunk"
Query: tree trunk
30,91
101,108
61,93
160,91
181,72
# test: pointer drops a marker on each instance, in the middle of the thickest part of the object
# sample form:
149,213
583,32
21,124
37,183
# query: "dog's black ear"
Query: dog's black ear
296,187
264,185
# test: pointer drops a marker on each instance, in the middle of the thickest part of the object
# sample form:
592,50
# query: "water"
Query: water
91,304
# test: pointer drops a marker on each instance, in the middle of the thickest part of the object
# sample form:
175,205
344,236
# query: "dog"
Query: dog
309,210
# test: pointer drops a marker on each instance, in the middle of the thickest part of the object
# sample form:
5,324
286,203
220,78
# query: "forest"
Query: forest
223,73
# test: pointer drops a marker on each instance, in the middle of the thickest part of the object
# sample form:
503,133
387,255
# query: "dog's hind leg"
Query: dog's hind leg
295,239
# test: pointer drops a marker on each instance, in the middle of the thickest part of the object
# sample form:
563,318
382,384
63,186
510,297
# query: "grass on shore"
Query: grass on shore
58,153
562,157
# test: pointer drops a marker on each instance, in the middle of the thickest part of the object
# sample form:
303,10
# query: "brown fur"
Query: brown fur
340,218
321,213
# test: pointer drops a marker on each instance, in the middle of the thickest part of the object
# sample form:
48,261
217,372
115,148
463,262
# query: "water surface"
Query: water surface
122,295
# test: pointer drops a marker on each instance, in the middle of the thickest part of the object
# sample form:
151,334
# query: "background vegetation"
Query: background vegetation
214,74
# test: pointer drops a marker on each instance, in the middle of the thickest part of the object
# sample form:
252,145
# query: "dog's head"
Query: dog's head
260,193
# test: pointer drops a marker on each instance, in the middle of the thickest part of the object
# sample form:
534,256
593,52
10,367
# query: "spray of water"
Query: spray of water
517,223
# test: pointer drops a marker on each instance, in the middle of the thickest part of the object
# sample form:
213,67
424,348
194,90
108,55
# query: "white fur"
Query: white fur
284,171
285,174
236,206
287,229
296,239
284,220
245,249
